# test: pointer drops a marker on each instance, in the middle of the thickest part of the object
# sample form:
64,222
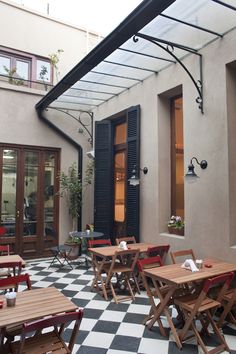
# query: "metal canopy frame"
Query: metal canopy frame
119,63
170,49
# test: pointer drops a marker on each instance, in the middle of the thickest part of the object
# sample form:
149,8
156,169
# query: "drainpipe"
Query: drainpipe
70,141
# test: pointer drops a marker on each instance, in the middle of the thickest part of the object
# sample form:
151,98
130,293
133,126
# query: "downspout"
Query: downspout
70,141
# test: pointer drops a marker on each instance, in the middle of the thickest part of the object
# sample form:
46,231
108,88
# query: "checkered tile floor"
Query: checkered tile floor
108,328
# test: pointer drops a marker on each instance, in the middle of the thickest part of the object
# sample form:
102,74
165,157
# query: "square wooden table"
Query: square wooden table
105,253
175,276
32,305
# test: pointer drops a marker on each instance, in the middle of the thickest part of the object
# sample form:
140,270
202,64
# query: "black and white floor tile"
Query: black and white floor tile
108,328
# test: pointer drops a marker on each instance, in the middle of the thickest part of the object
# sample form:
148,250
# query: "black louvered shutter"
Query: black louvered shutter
103,195
133,157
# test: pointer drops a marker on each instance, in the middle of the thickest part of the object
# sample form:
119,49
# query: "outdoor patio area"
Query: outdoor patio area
108,327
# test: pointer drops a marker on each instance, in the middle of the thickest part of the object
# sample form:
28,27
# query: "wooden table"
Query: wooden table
32,305
12,258
110,250
105,253
175,276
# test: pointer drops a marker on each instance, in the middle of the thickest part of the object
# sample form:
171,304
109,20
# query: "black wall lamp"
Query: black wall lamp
191,175
134,180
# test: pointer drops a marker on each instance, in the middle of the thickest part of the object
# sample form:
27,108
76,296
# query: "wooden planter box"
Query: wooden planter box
176,231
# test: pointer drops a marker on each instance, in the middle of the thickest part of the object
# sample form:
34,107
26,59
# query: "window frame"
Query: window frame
31,59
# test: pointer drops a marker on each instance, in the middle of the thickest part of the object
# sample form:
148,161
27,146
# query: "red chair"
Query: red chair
99,243
202,307
3,231
160,250
4,250
13,282
49,342
10,268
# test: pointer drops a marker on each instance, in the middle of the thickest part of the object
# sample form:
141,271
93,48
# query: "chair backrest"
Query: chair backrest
4,250
149,262
13,282
160,250
99,243
14,267
3,230
58,322
127,239
127,258
221,283
180,256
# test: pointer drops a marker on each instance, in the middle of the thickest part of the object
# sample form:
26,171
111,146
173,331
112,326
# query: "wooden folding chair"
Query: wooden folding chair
127,239
160,250
203,308
49,342
122,267
228,303
180,256
97,264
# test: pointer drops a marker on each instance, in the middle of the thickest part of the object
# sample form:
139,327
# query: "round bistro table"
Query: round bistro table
85,236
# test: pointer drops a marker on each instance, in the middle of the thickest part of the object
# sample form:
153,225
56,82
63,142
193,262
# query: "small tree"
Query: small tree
71,188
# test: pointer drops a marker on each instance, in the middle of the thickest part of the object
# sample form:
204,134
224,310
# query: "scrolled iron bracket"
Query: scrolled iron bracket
87,127
170,47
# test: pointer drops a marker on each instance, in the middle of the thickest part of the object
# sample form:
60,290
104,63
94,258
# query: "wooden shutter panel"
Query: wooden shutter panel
103,195
133,157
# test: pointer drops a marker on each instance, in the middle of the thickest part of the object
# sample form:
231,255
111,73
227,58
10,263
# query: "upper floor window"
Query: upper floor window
25,69
177,157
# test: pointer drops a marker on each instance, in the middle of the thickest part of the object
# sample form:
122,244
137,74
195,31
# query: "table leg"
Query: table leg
162,307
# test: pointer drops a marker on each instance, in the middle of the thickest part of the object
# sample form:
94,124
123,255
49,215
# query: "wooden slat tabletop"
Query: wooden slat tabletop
173,274
109,251
12,258
34,304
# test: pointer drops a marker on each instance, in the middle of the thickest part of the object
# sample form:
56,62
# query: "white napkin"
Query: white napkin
123,245
190,265
10,295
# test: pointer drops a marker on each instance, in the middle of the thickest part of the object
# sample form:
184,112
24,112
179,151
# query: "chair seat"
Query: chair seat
188,302
46,343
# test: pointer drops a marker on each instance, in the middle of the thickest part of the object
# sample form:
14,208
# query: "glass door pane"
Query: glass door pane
30,193
49,178
8,198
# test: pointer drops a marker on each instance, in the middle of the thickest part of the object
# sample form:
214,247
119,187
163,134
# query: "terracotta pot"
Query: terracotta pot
176,231
75,252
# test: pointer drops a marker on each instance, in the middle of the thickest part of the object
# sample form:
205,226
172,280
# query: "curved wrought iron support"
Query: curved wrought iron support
169,49
78,119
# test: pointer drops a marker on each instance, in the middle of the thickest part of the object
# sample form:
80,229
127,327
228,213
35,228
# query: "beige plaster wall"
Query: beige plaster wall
41,35
207,202
19,124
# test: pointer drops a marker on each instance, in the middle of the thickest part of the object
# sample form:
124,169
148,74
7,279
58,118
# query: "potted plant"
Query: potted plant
176,225
71,188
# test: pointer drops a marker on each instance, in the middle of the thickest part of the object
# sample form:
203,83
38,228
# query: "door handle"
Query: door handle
18,213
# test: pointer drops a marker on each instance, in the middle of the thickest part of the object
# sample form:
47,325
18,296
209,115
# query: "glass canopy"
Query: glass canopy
189,26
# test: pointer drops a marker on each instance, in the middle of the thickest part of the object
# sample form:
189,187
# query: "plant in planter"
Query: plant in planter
176,225
71,188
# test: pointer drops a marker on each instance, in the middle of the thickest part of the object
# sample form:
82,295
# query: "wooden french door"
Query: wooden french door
29,206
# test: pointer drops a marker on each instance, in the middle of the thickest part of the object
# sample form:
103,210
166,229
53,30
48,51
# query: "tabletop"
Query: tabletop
34,304
12,258
173,274
84,234
109,251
